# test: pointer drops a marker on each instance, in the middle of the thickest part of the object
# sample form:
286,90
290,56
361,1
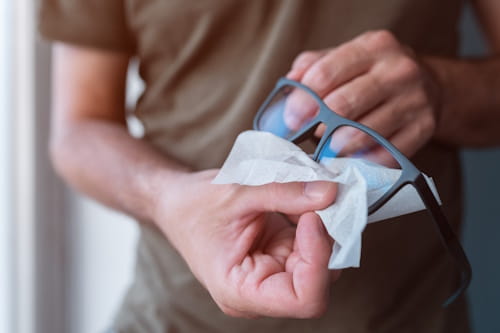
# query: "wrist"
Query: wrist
156,186
467,114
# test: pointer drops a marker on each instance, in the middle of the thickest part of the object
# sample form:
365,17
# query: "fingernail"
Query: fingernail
317,190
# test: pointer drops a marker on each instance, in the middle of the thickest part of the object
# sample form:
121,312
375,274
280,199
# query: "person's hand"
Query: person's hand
251,261
377,81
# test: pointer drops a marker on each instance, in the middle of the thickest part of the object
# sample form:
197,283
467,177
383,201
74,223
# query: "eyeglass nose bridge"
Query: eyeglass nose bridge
332,121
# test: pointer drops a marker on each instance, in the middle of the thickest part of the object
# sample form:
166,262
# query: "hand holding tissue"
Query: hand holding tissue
259,158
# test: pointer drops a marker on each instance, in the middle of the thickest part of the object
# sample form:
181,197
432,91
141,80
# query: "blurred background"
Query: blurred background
66,261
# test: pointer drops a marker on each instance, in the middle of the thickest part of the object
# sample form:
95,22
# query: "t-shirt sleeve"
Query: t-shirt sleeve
93,23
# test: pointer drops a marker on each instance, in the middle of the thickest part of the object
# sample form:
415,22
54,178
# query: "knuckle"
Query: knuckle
416,100
405,114
424,128
380,40
413,103
429,123
319,76
421,99
228,195
306,55
304,58
408,69
231,192
340,104
408,50
385,37
420,131
273,191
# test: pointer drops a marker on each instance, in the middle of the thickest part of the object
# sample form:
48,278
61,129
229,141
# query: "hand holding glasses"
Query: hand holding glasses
294,112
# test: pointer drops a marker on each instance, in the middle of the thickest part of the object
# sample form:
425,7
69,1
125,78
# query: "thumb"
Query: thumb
311,277
312,241
291,198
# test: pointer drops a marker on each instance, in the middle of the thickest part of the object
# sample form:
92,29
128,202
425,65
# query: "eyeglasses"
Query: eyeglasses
294,112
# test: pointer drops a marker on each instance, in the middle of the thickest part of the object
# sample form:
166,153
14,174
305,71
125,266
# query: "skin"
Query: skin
252,261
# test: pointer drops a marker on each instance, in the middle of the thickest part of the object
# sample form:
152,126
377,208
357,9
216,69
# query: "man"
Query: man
207,66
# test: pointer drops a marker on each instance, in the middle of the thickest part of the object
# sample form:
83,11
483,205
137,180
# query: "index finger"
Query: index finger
303,62
339,66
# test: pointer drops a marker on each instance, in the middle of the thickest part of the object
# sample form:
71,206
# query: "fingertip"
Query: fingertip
294,198
303,62
323,193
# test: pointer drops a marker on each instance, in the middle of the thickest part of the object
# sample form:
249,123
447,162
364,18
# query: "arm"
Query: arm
471,103
90,145
252,262
407,97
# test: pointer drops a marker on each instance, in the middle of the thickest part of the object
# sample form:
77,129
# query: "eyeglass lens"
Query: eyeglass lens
348,142
289,111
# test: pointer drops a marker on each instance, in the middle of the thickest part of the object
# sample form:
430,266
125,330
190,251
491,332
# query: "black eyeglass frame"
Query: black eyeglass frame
410,174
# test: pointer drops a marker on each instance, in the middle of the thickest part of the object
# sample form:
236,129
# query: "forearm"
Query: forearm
469,114
101,159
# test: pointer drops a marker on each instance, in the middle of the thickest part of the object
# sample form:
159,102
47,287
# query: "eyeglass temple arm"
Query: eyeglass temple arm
447,235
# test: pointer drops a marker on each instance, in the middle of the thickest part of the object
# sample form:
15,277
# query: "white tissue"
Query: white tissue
259,158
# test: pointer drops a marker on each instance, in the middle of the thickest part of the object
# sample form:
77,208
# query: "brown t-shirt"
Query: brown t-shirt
207,66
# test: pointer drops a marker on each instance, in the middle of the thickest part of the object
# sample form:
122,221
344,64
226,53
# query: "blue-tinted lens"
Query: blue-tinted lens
289,111
367,154
347,141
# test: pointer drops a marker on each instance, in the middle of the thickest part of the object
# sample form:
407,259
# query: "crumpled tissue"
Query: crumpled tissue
259,158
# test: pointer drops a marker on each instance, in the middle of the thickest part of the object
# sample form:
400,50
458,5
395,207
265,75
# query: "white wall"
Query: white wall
5,253
101,247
